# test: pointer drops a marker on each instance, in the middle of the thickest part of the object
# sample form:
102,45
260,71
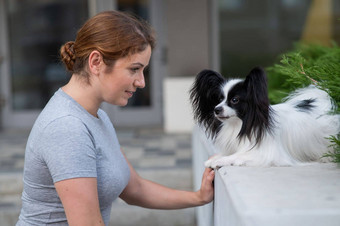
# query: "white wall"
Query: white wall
187,54
187,36
178,115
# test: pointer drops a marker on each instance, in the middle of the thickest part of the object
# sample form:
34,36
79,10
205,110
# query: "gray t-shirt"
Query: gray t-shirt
68,142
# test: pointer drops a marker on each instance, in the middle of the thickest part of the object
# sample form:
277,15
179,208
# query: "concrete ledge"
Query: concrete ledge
202,148
303,195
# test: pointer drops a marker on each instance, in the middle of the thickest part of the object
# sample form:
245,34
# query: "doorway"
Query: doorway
144,108
32,32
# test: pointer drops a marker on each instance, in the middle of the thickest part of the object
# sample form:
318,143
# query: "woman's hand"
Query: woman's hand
206,192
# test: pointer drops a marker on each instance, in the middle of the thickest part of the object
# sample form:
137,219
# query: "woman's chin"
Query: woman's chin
121,103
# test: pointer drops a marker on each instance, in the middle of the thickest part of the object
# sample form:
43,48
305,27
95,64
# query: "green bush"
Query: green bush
304,65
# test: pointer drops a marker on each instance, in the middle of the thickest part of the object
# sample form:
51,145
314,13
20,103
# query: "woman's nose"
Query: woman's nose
140,82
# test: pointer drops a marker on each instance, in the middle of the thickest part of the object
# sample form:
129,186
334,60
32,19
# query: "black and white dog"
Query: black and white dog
249,131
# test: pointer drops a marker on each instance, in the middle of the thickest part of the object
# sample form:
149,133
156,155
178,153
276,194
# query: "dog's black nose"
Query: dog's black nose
218,110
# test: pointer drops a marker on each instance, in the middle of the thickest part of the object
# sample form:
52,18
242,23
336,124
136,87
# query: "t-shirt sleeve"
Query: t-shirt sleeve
68,149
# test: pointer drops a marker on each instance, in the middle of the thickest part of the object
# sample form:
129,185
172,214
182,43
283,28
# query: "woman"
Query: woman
74,168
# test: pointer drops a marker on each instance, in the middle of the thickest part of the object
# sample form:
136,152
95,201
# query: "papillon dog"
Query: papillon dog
248,131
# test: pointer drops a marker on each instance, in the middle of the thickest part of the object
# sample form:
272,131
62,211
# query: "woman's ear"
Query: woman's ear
95,62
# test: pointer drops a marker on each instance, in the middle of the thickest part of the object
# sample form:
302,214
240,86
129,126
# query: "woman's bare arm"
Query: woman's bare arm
79,197
145,193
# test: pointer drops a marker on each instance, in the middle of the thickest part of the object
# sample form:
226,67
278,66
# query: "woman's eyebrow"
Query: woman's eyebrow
139,64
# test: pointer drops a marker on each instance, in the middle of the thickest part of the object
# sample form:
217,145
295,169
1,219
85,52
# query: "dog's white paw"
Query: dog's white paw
209,162
227,161
232,160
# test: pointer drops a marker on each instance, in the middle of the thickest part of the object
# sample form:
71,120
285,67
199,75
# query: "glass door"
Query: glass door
145,108
32,33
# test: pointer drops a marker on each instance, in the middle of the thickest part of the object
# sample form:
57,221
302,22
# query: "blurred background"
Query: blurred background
229,36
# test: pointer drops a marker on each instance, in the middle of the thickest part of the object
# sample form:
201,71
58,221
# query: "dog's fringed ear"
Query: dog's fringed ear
256,85
258,118
205,94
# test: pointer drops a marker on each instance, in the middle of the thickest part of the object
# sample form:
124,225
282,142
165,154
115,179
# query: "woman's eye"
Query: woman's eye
234,100
135,69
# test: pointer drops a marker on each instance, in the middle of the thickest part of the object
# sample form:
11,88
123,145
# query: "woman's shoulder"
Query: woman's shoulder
63,110
59,115
61,127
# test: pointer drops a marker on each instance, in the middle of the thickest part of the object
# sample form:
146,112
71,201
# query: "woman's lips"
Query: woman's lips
130,93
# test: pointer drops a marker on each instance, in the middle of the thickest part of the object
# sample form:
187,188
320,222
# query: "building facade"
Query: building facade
230,36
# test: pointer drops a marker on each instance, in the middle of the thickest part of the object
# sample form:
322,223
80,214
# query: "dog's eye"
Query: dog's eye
234,100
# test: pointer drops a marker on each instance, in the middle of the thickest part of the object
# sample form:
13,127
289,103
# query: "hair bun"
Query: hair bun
67,55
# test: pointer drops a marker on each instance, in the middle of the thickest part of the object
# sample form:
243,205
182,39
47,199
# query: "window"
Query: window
37,29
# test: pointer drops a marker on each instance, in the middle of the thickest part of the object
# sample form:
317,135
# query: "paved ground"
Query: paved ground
164,158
